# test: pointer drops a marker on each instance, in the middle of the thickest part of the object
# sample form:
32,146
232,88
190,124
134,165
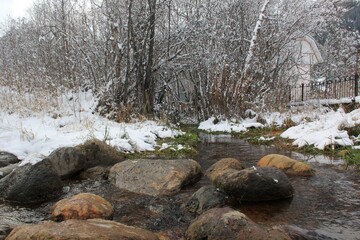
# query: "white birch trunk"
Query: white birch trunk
253,43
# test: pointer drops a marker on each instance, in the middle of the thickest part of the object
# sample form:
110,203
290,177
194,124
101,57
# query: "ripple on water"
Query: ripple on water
327,204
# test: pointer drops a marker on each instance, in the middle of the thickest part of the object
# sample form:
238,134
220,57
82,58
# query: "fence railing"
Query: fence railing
326,89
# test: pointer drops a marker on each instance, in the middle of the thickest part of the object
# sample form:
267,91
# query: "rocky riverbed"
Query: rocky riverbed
87,193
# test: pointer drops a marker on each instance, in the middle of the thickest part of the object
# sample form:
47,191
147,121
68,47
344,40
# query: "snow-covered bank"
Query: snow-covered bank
31,135
320,128
324,131
224,125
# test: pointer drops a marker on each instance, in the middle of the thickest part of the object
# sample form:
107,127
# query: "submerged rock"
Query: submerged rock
288,165
82,206
226,223
80,229
154,177
31,184
206,198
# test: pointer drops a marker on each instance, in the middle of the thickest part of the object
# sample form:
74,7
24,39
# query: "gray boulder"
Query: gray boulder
155,177
251,184
206,198
98,153
4,171
7,159
67,161
31,184
255,184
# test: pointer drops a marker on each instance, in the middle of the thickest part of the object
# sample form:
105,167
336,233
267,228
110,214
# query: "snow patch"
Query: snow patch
224,125
32,135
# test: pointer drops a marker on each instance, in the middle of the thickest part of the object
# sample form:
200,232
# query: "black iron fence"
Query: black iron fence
326,89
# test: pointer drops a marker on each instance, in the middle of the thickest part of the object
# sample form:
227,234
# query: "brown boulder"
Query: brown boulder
155,177
82,206
80,229
98,153
221,166
226,223
289,166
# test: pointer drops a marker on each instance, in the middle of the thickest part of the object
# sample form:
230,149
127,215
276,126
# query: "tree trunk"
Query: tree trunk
149,80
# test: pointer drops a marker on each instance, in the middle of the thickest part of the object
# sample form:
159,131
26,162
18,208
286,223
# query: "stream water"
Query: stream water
327,205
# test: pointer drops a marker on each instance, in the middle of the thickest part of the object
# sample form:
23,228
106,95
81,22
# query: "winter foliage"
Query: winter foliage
175,58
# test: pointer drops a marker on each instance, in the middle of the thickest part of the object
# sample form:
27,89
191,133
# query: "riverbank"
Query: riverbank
322,130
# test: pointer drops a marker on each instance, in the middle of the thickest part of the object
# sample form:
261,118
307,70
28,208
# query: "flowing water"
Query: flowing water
327,205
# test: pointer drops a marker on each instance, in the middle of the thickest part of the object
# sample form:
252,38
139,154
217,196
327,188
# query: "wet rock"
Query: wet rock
31,184
7,159
80,229
289,166
297,233
154,177
255,184
98,172
221,166
82,206
8,169
67,161
98,153
226,223
206,198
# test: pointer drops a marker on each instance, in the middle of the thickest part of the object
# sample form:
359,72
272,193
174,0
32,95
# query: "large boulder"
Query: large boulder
80,229
67,161
288,165
221,166
82,206
154,177
255,184
98,153
99,172
8,169
7,159
226,223
31,184
206,198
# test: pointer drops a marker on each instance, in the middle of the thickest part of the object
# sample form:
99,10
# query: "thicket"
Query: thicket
172,58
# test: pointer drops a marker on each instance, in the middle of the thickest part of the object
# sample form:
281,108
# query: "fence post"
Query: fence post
356,84
302,91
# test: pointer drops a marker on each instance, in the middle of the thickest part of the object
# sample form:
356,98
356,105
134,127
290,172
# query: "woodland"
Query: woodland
176,58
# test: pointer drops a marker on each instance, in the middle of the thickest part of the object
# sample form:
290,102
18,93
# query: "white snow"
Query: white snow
320,127
31,134
227,126
325,130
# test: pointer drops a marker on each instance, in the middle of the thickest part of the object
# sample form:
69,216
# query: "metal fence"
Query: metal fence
326,89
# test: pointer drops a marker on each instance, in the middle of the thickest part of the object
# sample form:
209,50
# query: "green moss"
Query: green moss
352,157
183,146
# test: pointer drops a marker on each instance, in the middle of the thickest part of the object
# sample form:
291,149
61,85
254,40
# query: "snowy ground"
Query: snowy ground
31,127
33,132
321,127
